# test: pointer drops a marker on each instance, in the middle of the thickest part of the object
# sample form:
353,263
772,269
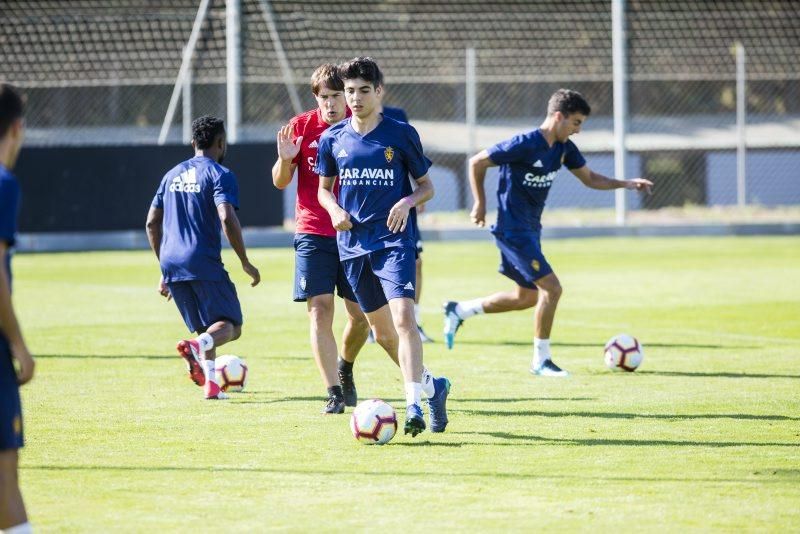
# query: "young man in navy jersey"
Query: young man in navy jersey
372,156
318,271
196,200
528,164
13,517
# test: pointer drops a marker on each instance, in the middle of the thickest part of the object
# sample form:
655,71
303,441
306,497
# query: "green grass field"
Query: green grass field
706,435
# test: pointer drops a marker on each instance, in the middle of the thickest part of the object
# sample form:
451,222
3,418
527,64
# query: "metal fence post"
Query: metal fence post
471,98
741,111
619,53
233,46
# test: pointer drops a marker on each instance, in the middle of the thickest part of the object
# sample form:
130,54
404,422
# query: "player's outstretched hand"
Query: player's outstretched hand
478,214
287,150
163,290
25,363
398,215
640,184
341,220
252,272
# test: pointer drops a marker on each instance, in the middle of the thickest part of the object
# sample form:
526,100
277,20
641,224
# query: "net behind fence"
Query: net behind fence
102,72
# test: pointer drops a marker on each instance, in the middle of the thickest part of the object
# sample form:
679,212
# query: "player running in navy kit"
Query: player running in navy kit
195,201
13,517
372,156
528,164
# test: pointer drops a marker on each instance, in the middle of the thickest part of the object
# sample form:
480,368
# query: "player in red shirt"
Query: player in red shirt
317,267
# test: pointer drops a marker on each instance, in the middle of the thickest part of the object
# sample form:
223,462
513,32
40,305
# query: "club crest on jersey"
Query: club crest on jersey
388,154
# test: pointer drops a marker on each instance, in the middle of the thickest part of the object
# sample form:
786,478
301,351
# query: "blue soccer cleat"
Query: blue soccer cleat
415,423
452,322
438,404
548,368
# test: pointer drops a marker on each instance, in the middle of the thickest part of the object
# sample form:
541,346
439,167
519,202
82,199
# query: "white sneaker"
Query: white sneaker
548,368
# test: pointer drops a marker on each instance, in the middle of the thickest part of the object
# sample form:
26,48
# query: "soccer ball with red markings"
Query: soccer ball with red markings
231,372
373,422
623,353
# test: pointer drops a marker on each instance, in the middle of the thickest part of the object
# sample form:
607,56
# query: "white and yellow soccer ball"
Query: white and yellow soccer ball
231,372
374,422
623,353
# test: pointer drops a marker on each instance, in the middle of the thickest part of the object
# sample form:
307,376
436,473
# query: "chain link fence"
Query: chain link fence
102,72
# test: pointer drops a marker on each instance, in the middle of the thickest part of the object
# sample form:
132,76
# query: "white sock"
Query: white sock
541,351
206,341
22,528
427,383
417,316
413,393
208,367
468,308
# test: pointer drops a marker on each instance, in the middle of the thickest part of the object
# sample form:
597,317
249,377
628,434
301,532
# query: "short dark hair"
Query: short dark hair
205,130
568,102
361,67
326,75
11,107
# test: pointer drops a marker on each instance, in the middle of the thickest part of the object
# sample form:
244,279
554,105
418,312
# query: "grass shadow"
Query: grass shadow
615,415
701,374
606,442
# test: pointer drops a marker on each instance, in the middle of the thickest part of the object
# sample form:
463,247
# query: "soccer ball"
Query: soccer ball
623,352
231,372
373,422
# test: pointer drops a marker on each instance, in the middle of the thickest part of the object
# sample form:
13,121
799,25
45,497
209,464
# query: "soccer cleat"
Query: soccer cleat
415,423
213,392
348,387
334,405
548,368
423,336
438,404
189,349
452,322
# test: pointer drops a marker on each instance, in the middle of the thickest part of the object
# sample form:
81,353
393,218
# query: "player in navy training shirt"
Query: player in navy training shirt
13,517
194,202
528,164
372,156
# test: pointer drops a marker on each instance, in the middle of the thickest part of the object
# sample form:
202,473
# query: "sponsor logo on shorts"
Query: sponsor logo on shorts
17,425
409,286
303,283
535,264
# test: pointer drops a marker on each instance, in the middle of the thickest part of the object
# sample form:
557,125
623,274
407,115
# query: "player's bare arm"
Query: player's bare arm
233,231
596,180
10,326
154,232
340,219
398,215
283,170
478,164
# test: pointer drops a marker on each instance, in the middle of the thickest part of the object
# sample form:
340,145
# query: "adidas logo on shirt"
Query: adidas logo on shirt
409,286
313,144
185,182
538,164
342,154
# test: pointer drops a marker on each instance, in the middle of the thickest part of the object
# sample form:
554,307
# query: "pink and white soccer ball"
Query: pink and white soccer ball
623,353
373,422
231,372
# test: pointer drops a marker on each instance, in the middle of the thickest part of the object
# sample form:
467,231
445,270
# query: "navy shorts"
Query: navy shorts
203,302
381,276
317,269
521,257
10,406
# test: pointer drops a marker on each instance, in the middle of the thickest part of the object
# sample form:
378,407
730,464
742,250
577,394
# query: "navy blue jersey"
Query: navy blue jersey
373,173
528,166
398,114
9,211
189,195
